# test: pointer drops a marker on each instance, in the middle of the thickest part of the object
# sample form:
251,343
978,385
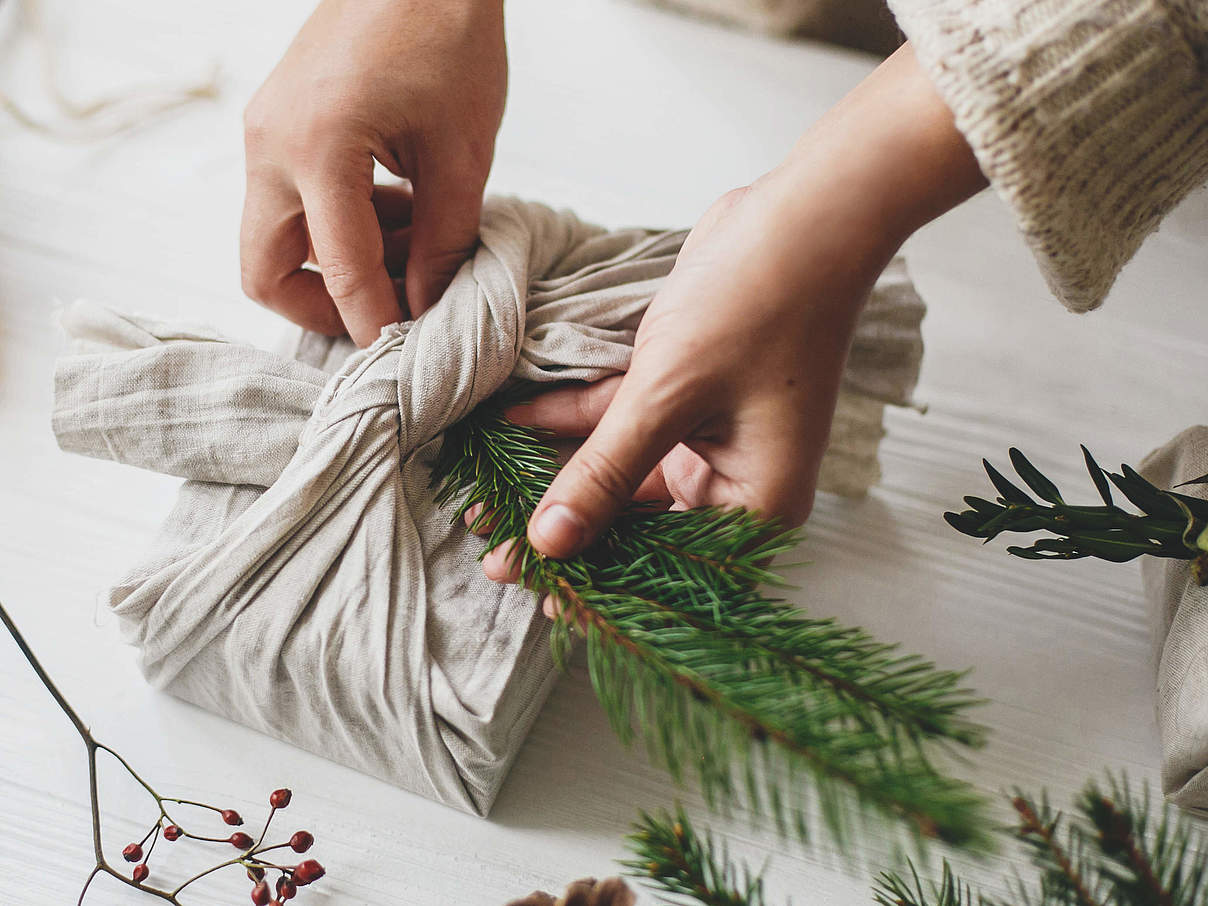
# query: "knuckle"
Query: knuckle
732,197
256,283
582,409
789,501
344,279
601,472
257,123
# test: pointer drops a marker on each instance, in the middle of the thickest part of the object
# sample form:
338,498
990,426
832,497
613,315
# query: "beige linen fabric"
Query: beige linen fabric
1178,608
1089,117
305,583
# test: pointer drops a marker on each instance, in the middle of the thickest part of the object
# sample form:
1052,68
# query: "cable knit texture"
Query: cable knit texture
1089,117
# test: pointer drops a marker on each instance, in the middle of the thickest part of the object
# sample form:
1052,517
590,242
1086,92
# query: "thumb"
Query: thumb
444,224
639,427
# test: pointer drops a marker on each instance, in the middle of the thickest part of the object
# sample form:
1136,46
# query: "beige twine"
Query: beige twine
102,118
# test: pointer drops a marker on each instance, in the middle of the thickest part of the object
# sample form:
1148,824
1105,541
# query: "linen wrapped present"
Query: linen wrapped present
306,584
1178,608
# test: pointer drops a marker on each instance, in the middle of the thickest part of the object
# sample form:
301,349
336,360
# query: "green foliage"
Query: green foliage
762,703
686,866
1168,525
1114,849
892,889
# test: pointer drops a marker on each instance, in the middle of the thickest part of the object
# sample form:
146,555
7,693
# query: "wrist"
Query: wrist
884,161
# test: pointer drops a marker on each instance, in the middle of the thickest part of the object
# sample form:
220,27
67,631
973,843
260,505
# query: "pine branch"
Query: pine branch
1145,864
1059,853
1169,524
1113,850
892,889
716,676
686,865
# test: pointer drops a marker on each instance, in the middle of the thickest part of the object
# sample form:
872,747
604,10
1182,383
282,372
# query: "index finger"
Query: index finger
347,240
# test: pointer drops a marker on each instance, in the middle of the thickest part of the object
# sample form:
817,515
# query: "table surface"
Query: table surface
628,115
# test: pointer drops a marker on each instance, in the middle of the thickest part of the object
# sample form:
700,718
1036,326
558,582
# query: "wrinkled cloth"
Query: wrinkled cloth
306,584
1178,610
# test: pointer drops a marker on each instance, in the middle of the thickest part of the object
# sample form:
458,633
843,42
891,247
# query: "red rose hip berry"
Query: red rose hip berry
133,853
261,895
280,798
140,872
308,872
231,817
172,832
301,841
240,840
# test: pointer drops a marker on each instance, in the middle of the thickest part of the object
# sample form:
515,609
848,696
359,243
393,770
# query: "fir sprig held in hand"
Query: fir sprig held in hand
762,703
1168,525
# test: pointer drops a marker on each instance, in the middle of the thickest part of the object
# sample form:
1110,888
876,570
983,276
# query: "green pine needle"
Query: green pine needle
892,889
761,703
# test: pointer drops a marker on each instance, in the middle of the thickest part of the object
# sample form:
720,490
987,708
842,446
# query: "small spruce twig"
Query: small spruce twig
1169,524
716,676
674,858
251,851
1064,870
892,889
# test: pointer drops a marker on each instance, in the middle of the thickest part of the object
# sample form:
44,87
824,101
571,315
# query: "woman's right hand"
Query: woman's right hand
418,85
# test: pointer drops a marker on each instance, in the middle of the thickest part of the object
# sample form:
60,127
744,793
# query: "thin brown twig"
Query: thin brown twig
1031,824
101,866
1137,860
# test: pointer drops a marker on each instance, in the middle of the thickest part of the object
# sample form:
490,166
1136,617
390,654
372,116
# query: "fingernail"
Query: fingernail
561,529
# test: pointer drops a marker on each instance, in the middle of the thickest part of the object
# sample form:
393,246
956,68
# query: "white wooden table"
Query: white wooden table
628,115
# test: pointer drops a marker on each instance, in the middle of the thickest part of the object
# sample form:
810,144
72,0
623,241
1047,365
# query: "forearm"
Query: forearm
883,162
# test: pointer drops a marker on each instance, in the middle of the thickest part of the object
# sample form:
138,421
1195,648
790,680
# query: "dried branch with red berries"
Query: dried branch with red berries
275,879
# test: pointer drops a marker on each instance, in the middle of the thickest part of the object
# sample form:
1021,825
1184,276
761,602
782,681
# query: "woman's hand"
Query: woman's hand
418,85
737,363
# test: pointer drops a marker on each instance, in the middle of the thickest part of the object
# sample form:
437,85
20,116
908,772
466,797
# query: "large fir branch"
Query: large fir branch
716,676
1169,524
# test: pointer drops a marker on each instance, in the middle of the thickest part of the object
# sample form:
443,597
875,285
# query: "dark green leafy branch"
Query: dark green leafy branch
762,703
1168,525
1114,849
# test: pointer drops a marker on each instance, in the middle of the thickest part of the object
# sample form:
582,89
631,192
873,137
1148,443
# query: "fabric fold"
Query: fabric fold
1178,611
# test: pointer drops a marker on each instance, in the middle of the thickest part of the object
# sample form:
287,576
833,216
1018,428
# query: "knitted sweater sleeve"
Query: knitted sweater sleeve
1089,117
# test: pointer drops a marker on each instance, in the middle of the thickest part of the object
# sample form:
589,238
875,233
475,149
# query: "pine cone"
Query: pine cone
584,892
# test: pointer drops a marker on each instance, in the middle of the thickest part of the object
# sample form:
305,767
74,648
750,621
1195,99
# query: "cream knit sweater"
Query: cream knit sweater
1089,117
